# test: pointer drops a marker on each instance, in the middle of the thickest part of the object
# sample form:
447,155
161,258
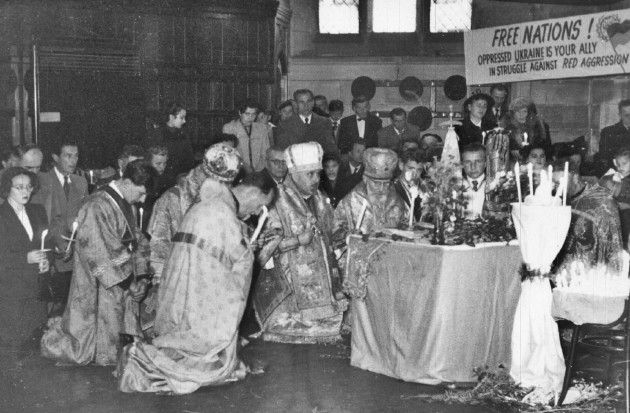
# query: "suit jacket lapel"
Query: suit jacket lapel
14,225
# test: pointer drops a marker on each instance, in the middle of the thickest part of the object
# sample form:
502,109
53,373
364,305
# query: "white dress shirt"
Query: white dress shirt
304,119
60,176
361,127
475,198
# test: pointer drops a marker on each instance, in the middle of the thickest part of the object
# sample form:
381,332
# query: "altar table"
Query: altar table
430,314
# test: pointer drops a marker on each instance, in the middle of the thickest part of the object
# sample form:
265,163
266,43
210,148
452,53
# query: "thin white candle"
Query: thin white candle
44,234
75,225
517,176
550,176
363,209
91,176
413,194
525,138
141,213
566,183
261,221
530,177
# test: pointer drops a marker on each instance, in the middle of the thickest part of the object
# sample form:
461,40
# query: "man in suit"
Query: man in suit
616,136
474,165
253,137
362,125
276,167
335,109
499,92
62,193
390,136
351,172
410,165
306,126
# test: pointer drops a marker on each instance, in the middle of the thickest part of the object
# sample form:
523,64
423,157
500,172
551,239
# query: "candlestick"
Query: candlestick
261,221
75,225
517,176
44,234
530,177
363,209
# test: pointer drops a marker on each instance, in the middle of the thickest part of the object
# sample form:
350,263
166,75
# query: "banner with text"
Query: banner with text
580,46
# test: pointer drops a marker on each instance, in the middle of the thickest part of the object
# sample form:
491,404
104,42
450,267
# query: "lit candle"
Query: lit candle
363,209
517,176
525,138
91,176
141,213
75,225
530,177
44,234
261,221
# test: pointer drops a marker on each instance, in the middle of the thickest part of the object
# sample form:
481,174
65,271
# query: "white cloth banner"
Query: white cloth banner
579,46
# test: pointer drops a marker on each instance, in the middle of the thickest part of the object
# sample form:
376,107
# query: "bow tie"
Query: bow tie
360,119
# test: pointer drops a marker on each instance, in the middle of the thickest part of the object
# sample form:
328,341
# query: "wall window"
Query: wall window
450,16
339,16
394,16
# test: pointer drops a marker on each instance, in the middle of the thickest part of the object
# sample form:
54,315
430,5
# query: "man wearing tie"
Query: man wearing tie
499,93
335,110
474,163
306,126
362,125
390,136
62,193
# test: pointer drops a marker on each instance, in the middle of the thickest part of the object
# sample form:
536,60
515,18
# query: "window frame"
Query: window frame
423,29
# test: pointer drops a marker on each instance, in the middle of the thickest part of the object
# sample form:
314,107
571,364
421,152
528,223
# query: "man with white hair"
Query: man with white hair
298,295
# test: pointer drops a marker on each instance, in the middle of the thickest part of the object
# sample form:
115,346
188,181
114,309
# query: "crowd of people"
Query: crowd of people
155,268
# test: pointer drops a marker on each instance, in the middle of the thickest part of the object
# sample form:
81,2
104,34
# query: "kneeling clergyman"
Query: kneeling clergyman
204,288
111,257
298,296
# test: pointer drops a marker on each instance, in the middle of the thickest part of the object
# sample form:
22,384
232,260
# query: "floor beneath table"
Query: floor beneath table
298,378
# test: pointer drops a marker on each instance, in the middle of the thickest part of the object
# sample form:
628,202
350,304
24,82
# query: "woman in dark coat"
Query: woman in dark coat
21,259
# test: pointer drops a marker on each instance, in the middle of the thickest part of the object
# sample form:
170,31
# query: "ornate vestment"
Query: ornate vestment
109,249
296,301
594,236
391,214
201,301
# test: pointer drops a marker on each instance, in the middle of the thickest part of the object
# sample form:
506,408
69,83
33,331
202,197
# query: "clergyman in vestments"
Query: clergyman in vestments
203,293
110,262
298,296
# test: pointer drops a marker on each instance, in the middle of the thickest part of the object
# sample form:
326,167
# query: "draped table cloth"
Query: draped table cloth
430,314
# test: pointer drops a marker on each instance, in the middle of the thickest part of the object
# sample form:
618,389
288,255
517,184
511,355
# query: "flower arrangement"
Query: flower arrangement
442,196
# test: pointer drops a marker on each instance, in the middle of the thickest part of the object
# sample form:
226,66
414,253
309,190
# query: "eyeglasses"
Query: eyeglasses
277,162
28,188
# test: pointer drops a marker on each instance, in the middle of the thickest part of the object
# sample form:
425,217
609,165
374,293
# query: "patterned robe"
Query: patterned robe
201,302
98,309
594,236
297,300
393,213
